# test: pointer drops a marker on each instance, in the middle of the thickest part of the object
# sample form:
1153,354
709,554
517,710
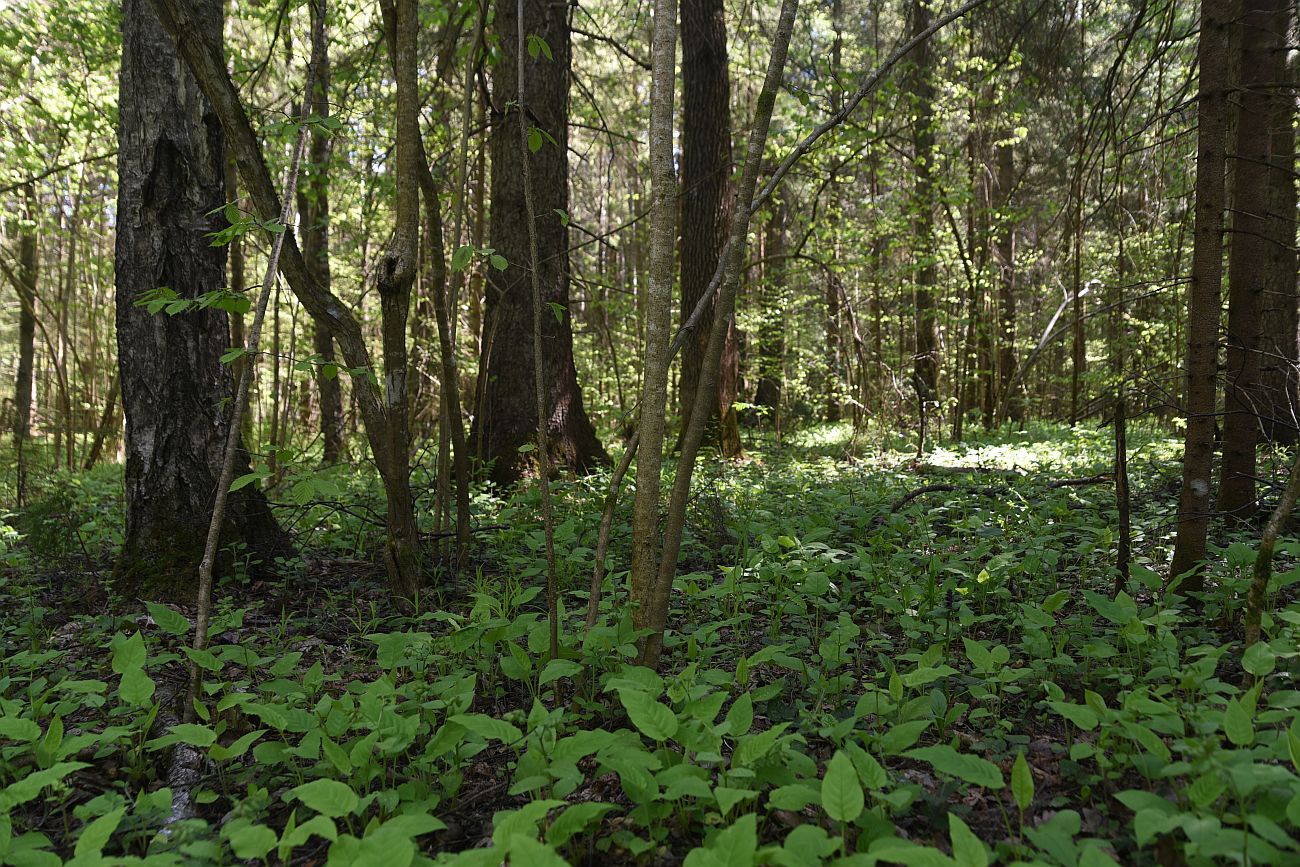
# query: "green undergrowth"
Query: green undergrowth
952,682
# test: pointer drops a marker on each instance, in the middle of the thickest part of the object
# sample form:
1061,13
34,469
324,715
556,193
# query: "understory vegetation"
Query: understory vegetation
871,659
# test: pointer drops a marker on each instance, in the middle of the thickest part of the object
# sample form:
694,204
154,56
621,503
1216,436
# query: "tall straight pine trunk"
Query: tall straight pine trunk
1260,42
1201,366
925,358
1280,390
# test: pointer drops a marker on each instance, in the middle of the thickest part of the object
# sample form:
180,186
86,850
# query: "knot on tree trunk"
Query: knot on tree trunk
395,273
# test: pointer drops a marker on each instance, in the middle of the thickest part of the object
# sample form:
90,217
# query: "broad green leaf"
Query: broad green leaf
327,797
1081,715
873,776
96,834
168,620
128,653
556,669
486,727
379,847
1094,857
527,851
807,846
185,733
794,797
1259,659
892,850
461,258
574,820
1022,782
1206,789
733,847
18,729
652,718
31,785
136,687
1237,725
728,797
316,826
902,736
204,659
948,761
523,821
842,797
247,840
413,824
249,478
740,716
967,850
753,747
219,753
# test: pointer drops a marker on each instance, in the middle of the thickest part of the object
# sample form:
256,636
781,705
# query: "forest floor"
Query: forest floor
873,659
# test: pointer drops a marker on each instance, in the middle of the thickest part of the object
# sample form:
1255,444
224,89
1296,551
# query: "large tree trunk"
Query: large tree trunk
771,329
834,289
508,417
313,223
1280,393
25,286
1249,251
385,423
925,364
1006,261
24,281
175,391
705,203
1203,295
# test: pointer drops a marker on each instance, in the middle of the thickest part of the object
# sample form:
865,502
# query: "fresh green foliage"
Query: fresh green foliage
849,685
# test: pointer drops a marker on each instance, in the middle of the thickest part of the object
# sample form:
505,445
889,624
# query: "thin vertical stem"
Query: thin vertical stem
539,374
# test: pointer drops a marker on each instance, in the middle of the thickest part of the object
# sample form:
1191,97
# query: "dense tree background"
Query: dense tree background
809,349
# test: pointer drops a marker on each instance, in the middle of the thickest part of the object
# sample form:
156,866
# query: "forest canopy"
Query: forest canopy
484,432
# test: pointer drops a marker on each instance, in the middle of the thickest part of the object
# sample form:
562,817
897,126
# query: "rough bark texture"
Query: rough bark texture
772,294
925,364
1280,393
313,229
1203,295
705,203
25,286
1249,251
1006,261
728,280
835,373
507,417
175,390
397,272
202,55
